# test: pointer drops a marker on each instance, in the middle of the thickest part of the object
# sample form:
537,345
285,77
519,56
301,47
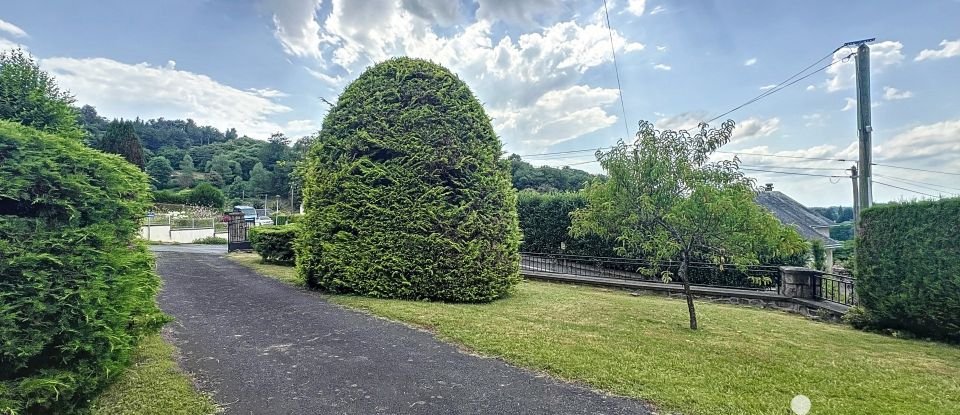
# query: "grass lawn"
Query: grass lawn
742,361
153,384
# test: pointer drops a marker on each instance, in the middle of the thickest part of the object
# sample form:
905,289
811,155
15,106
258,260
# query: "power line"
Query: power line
903,188
793,173
740,153
921,185
795,168
916,169
781,85
616,68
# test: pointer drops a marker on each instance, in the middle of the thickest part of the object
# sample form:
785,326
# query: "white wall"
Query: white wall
163,233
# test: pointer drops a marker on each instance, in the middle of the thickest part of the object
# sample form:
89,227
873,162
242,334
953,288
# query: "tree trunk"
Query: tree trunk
686,290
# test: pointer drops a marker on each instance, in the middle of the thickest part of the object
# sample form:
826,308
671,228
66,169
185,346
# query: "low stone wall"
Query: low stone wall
812,311
163,233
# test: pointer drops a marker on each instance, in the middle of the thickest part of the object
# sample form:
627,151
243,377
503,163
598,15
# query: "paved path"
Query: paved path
262,347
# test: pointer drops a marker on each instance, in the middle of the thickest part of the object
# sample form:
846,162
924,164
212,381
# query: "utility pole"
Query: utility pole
856,195
864,123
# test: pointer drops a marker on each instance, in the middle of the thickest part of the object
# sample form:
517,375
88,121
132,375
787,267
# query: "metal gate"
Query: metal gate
237,233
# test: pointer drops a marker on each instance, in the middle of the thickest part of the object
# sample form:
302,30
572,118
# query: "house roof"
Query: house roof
791,212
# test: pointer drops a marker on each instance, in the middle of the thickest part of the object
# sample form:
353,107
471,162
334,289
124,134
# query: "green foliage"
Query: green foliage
169,196
405,194
842,232
546,178
30,96
274,243
121,139
664,200
837,214
908,267
77,288
159,170
261,181
185,179
211,240
819,252
545,225
206,195
239,188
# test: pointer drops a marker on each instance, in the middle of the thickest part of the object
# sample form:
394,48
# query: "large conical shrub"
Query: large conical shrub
405,193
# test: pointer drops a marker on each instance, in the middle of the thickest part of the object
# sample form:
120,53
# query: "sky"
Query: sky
545,72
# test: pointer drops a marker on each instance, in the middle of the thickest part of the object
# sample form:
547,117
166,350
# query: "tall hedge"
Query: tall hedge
545,225
908,267
76,287
405,193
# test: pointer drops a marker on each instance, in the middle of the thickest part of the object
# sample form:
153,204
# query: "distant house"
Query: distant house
811,226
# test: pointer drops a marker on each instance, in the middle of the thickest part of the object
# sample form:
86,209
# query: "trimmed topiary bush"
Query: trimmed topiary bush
405,192
908,267
77,287
274,243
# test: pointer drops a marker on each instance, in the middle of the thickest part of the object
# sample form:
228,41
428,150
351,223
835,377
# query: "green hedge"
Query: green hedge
405,192
908,267
77,287
274,243
545,225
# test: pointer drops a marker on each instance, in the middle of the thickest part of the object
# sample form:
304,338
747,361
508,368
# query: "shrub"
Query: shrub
908,267
76,287
405,193
274,243
211,240
545,225
206,195
169,196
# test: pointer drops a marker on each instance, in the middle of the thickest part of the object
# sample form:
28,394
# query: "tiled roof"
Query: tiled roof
791,212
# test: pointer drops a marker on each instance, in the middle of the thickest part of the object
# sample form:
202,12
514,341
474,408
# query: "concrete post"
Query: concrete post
797,282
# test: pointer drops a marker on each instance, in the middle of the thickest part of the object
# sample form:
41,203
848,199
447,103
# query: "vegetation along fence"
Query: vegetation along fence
758,277
834,288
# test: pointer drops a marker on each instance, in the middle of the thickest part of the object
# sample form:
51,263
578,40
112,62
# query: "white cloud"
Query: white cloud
123,90
12,29
657,10
299,128
754,127
816,119
750,62
948,49
296,26
936,145
684,120
811,87
882,55
662,67
661,48
768,87
636,7
557,116
264,92
443,12
333,81
849,104
891,93
9,44
513,11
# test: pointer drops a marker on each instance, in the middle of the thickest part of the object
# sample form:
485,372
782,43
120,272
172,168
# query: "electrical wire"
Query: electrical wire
903,188
921,185
792,173
616,68
916,169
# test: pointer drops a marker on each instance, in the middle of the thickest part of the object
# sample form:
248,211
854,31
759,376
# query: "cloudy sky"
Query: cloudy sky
543,69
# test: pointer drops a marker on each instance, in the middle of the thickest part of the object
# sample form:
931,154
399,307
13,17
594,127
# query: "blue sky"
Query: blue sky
543,69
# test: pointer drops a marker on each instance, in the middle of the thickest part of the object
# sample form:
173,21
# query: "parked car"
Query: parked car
249,213
263,220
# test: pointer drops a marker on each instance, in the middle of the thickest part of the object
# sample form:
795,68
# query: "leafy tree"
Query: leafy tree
277,149
206,195
216,179
31,97
546,178
223,166
159,170
261,180
121,139
239,188
819,252
664,199
186,172
405,192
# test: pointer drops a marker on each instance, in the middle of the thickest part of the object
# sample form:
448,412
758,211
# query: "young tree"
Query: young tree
186,172
206,195
159,170
276,149
260,179
31,97
223,166
239,188
664,199
121,139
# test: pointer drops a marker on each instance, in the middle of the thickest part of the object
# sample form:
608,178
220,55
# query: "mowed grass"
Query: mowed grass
153,384
742,361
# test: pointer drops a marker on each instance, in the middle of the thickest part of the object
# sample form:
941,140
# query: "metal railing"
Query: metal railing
834,288
758,277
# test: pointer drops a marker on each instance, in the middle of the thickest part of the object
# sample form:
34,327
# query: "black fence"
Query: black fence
834,288
759,277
